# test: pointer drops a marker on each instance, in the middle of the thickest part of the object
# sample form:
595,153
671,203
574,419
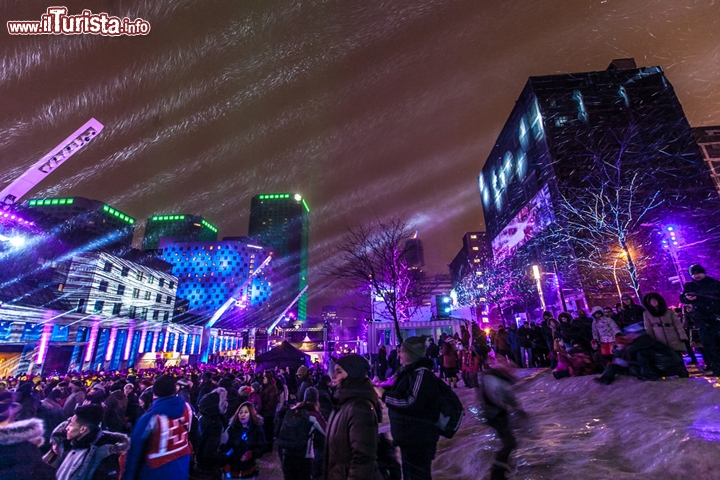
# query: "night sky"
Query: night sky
366,108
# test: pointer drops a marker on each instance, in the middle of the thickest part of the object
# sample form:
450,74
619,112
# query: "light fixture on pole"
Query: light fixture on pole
536,275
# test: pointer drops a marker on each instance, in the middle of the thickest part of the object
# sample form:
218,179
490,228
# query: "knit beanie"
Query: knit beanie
696,269
311,395
164,386
355,365
415,347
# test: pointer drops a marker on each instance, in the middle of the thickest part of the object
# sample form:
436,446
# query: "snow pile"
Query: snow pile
577,428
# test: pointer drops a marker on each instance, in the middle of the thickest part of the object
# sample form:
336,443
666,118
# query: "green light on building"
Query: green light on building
305,205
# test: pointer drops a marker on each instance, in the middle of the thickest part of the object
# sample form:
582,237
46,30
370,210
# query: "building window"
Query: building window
147,295
475,248
136,293
139,276
168,300
172,285
161,282
108,267
143,313
121,289
151,279
156,314
116,308
125,271
103,286
166,316
81,305
131,312
99,304
158,298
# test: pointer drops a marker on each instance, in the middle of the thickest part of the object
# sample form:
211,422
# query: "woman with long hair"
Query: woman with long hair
245,443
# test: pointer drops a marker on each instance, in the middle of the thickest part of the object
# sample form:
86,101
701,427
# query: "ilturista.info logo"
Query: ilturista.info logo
57,22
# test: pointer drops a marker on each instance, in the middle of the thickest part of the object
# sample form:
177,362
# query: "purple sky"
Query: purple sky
366,108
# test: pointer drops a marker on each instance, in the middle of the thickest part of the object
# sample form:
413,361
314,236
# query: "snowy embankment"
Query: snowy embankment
579,429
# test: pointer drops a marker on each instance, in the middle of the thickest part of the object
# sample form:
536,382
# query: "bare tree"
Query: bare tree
601,214
374,257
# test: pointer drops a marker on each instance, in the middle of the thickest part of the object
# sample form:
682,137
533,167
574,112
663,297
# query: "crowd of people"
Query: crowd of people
217,421
209,421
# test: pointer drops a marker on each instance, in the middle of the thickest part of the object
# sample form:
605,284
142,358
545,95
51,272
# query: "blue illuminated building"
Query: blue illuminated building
210,272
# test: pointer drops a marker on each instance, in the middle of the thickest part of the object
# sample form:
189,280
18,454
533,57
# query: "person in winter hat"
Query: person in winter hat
703,293
662,324
604,331
20,457
169,418
352,430
413,407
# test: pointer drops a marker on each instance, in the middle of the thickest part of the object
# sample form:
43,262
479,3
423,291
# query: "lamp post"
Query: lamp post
536,274
617,284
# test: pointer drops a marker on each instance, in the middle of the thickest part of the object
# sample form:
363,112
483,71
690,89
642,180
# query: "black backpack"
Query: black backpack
295,431
451,409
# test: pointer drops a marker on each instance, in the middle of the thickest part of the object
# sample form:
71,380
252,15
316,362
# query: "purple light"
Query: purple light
128,341
91,342
44,343
111,344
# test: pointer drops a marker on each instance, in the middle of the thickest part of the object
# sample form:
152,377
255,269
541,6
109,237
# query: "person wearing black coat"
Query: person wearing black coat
20,457
703,293
566,330
245,443
352,430
212,408
414,408
630,314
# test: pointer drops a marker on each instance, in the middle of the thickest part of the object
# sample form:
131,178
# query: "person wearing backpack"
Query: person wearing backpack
414,408
296,436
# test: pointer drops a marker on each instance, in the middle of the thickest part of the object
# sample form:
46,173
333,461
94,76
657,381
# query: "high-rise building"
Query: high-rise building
209,273
414,253
562,132
180,227
81,221
473,254
281,221
708,139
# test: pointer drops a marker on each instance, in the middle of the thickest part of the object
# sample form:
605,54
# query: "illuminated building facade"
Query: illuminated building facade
209,273
180,227
281,221
102,312
542,154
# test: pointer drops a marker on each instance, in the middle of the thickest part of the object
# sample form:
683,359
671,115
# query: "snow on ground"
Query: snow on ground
579,429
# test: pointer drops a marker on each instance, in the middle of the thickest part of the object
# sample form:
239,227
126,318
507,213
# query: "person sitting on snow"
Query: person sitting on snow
643,357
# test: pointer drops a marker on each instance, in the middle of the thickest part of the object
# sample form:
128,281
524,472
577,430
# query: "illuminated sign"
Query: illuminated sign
533,218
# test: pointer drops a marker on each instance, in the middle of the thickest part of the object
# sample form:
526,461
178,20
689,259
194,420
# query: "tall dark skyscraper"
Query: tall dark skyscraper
181,227
281,221
414,253
562,134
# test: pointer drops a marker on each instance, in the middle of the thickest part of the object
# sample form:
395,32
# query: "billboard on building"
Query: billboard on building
533,218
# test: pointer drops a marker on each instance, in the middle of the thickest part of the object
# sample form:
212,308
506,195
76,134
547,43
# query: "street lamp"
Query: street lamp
536,275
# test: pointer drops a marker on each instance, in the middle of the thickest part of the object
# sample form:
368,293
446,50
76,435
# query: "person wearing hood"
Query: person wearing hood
662,324
77,397
20,457
159,447
414,408
631,312
604,331
352,430
115,408
212,408
83,451
51,413
269,398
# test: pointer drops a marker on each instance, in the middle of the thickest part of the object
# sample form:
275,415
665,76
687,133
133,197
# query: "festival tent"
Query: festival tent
284,355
